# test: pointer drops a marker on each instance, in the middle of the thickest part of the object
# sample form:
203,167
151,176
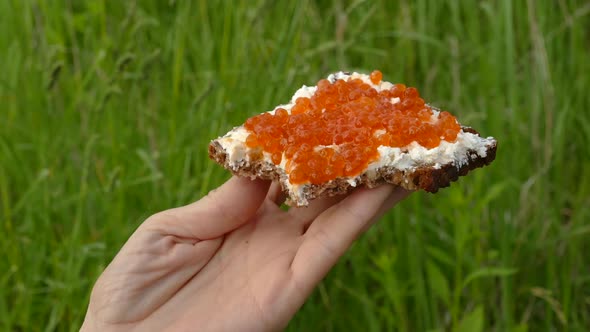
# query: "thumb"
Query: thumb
221,211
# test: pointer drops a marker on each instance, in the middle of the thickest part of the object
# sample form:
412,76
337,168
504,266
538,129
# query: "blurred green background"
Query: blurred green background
107,108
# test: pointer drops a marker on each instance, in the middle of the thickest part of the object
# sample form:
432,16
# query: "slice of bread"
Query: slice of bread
412,167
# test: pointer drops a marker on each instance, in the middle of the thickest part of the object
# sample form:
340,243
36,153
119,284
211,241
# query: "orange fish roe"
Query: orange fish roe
376,77
337,131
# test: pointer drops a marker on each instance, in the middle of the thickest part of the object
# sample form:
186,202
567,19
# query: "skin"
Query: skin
232,261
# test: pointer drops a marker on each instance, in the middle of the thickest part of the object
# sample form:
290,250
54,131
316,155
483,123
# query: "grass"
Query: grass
107,107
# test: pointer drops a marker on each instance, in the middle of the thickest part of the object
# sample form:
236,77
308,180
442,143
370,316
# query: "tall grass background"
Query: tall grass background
107,108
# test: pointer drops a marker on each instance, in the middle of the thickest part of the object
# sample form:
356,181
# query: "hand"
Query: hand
233,261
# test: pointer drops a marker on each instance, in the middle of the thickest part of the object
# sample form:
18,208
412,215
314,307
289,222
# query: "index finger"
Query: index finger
334,231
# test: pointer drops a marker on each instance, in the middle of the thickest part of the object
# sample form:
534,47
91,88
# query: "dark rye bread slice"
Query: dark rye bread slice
427,177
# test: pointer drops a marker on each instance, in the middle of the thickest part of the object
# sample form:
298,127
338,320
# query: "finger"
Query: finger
332,233
395,197
276,194
306,214
221,211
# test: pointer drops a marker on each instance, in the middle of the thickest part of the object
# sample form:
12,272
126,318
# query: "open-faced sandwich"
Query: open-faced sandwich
350,130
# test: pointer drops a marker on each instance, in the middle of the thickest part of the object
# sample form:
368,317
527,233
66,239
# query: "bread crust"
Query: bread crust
428,178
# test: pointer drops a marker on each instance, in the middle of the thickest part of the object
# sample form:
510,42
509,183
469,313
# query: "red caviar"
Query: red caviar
376,77
337,131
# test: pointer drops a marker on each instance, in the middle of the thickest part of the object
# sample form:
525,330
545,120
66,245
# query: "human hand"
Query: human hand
232,261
